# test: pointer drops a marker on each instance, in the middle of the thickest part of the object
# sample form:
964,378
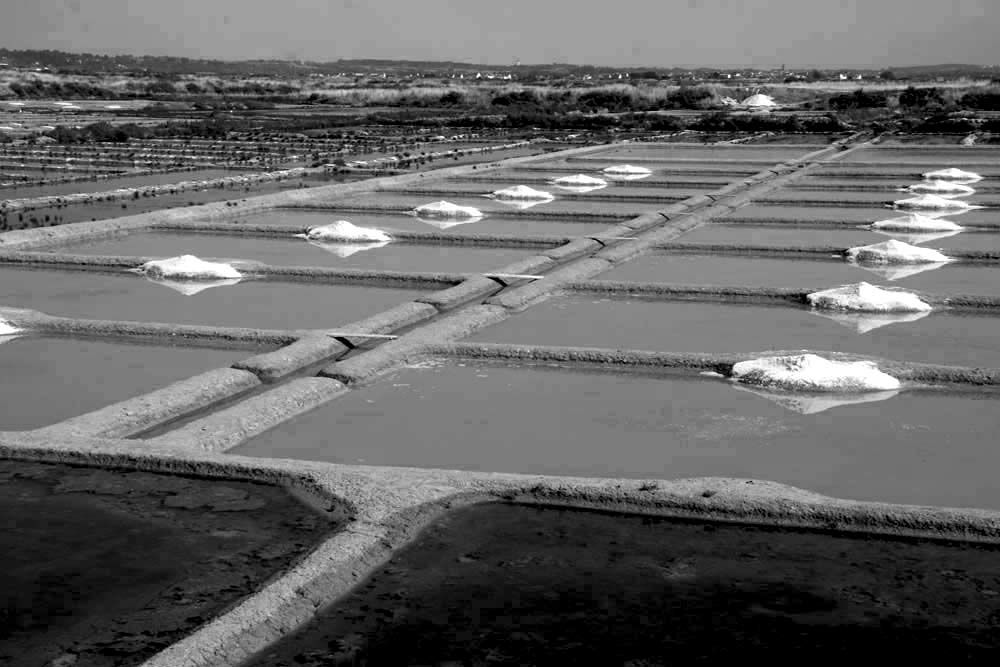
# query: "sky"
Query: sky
658,33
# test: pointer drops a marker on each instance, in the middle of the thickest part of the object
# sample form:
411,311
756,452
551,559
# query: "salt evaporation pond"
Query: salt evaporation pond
560,206
840,238
48,379
772,154
692,327
537,177
762,213
742,270
459,415
614,190
123,181
299,252
861,197
521,225
251,303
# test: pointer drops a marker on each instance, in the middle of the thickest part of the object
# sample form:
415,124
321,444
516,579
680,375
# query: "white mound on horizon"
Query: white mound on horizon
522,193
580,180
915,222
626,170
946,189
894,252
809,372
933,202
953,174
810,404
342,230
446,209
865,297
188,268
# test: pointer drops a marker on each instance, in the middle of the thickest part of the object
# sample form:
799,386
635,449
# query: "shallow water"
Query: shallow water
536,178
761,212
49,379
522,225
735,153
123,181
853,198
691,327
790,236
560,206
572,422
251,303
658,191
298,252
736,270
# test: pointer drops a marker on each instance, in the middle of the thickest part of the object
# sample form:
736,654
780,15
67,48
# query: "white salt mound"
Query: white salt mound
626,170
862,323
808,372
899,271
446,209
522,192
342,230
953,174
345,250
894,252
865,297
192,288
188,267
580,179
915,222
943,188
933,202
916,239
7,329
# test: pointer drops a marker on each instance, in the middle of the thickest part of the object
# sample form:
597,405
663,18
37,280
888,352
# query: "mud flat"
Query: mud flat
104,568
261,304
514,585
479,415
292,251
48,379
939,338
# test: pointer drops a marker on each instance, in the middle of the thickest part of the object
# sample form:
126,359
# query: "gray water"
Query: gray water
540,420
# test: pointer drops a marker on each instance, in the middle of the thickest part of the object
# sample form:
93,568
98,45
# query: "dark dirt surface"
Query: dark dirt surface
102,568
512,585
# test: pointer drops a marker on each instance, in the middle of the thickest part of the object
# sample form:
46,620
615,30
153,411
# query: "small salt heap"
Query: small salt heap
446,210
809,372
948,189
342,230
894,252
915,222
953,174
189,275
521,193
580,183
626,172
865,297
934,202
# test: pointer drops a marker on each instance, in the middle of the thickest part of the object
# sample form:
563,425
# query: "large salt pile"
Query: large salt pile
933,202
915,222
809,404
521,193
862,323
894,252
187,267
865,297
809,372
953,174
446,210
626,172
342,230
947,189
580,183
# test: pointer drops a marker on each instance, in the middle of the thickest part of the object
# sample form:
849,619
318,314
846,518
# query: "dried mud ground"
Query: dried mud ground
514,585
102,568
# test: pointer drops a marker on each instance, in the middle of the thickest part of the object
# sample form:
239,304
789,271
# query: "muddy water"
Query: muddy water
802,273
684,327
479,416
251,303
560,206
739,234
298,252
49,379
761,212
522,225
